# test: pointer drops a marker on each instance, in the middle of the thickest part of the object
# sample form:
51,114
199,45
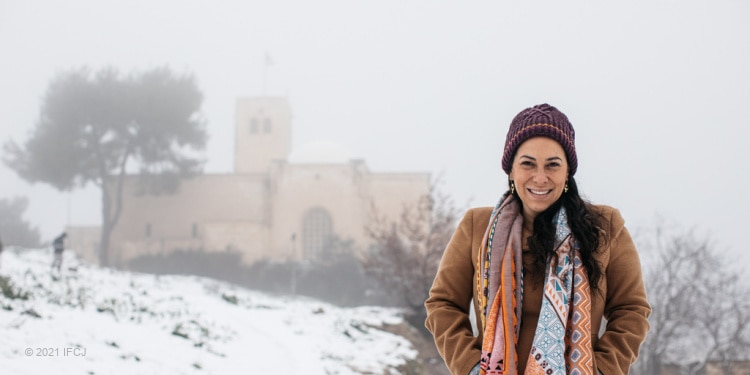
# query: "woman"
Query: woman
541,270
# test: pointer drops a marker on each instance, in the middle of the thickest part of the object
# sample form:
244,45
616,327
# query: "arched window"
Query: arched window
317,230
253,125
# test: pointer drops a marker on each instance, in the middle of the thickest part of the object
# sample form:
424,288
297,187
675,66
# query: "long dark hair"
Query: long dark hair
585,224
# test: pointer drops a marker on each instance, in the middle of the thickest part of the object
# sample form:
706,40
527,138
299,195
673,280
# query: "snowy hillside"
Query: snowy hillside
99,321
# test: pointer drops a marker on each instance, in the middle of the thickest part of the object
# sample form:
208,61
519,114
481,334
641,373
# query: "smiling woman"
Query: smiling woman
541,270
539,175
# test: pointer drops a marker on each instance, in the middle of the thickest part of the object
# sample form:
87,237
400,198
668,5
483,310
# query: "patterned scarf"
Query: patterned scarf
562,340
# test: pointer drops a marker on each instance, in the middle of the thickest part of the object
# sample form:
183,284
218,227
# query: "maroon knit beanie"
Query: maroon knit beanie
540,120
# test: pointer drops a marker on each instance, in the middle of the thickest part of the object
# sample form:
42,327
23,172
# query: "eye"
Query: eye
553,164
527,164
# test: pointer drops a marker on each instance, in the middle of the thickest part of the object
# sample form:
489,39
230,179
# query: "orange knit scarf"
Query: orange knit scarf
562,341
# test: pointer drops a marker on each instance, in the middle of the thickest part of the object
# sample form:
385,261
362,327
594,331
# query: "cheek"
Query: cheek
561,179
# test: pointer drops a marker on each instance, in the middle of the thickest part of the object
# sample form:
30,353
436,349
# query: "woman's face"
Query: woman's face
540,170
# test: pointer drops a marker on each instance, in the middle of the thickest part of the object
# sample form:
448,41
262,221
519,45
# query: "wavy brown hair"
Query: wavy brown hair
585,224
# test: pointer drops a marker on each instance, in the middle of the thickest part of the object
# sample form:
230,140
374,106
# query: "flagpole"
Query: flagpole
263,84
267,61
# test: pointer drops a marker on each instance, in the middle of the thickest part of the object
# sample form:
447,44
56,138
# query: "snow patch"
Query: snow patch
92,320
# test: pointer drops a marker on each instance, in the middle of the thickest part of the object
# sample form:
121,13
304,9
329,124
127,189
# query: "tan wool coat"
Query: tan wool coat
620,300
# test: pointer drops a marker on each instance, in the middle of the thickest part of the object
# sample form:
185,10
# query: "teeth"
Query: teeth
539,192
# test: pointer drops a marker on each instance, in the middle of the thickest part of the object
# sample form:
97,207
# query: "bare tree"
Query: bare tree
700,305
724,316
407,253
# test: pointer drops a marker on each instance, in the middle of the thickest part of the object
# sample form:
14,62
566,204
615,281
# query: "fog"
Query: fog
656,90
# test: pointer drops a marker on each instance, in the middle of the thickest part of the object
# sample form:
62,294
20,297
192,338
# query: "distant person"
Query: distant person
542,269
59,246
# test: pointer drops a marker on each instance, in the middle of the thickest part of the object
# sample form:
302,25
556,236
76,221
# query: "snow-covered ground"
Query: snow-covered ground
92,320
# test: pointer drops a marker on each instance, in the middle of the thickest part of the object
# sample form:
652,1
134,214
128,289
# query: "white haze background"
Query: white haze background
658,91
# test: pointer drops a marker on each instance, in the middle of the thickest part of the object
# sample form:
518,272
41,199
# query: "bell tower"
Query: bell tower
263,133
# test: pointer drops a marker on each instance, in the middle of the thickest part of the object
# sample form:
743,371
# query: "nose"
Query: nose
539,177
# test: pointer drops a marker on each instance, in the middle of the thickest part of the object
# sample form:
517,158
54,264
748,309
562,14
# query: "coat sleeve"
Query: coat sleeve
448,304
626,307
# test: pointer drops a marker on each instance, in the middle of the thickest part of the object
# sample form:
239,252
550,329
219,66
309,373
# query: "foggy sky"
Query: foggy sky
656,90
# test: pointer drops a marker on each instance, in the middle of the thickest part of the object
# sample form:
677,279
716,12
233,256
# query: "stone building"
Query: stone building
277,204
711,367
725,368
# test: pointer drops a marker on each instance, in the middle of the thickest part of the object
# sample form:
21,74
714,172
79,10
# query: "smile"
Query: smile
539,192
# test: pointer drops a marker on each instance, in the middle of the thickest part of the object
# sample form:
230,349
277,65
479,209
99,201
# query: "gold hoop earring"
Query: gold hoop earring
512,187
565,189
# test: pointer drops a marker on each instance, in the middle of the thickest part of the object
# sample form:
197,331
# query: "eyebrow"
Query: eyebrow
548,159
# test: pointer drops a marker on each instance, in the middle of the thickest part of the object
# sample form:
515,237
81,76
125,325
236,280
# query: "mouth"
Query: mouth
539,192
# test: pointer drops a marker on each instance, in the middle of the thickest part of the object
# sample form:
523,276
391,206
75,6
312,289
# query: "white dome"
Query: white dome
320,152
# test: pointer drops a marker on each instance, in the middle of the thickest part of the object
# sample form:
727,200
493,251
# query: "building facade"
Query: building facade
276,205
